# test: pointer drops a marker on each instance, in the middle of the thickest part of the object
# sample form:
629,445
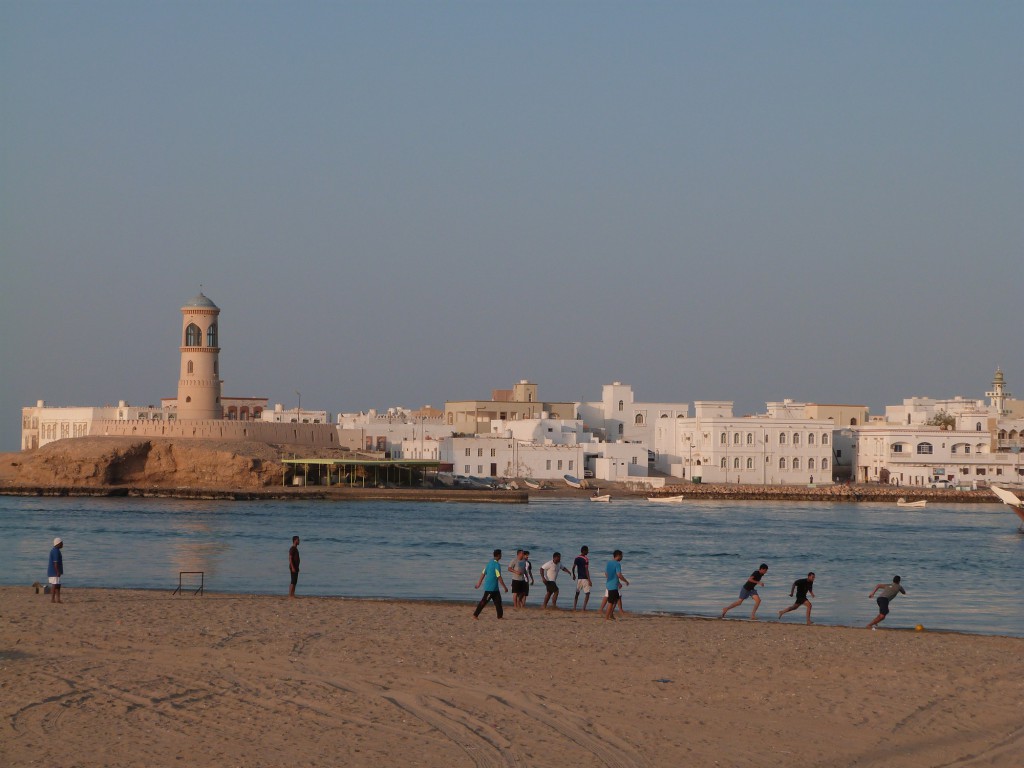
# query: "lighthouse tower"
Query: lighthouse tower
999,394
199,382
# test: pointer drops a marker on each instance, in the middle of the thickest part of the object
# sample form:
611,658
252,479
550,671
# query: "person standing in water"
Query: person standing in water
802,587
889,592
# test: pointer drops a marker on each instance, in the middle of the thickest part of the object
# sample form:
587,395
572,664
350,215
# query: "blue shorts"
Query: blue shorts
745,593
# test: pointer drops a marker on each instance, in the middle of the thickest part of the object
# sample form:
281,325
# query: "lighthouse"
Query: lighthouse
199,382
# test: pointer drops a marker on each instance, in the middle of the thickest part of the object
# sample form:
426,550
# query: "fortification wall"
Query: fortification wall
319,435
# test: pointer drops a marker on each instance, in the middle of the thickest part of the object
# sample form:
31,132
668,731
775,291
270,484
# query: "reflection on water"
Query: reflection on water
956,561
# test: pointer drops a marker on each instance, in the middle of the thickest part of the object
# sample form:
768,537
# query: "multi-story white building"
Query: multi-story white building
42,423
280,415
776,448
397,432
506,456
616,416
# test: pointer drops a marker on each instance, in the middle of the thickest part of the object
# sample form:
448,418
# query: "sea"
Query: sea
959,563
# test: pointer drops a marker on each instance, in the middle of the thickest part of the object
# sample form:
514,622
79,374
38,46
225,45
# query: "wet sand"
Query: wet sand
127,678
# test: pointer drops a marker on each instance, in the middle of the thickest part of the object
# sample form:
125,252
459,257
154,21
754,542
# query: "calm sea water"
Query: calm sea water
959,563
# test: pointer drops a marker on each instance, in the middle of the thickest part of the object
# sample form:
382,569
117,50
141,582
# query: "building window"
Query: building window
570,464
466,470
620,430
782,438
211,336
724,463
810,464
479,451
967,449
750,438
479,469
824,439
191,367
750,463
898,448
639,420
977,427
736,438
494,452
736,463
547,464
824,463
810,439
620,405
782,463
796,463
924,448
468,454
559,465
724,439
193,336
980,471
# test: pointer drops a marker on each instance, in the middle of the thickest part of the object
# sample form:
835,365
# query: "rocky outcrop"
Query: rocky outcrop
91,462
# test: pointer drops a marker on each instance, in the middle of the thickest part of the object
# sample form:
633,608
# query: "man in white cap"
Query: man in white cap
55,569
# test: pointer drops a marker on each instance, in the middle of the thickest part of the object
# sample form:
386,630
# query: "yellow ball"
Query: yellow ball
919,628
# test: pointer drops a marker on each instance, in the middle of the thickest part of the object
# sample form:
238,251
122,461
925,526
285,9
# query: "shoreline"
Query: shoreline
690,492
135,677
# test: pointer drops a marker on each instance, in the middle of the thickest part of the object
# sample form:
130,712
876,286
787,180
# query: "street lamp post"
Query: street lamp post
298,418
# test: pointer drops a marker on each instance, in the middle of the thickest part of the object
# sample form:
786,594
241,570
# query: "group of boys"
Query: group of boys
805,586
522,577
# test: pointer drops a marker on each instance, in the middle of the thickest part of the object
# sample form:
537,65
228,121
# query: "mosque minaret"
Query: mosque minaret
999,395
199,383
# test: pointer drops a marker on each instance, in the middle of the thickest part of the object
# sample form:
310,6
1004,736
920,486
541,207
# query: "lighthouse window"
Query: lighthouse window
211,336
193,336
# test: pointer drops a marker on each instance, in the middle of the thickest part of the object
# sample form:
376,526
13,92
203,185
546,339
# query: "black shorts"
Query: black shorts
517,587
526,588
295,577
613,596
883,605
552,587
800,600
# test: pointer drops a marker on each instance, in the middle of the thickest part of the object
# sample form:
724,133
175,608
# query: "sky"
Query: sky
402,203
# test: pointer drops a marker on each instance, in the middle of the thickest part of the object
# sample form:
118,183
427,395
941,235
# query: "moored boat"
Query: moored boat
601,497
529,482
572,482
901,502
666,499
1010,499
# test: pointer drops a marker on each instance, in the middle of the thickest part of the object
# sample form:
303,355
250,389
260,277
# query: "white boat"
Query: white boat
1009,498
601,497
529,482
914,504
572,482
666,499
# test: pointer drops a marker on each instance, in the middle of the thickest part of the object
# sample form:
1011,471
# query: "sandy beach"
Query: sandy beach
128,678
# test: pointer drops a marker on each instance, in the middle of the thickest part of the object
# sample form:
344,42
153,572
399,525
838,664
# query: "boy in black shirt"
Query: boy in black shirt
802,587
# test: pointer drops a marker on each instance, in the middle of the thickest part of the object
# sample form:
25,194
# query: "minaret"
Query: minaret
998,395
199,383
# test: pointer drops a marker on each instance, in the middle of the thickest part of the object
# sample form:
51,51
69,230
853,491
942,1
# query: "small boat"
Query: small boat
901,502
666,499
572,482
598,496
529,482
1009,498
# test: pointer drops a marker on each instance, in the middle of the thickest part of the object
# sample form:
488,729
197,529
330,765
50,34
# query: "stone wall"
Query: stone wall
317,435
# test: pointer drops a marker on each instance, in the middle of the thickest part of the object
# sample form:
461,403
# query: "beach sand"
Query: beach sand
131,678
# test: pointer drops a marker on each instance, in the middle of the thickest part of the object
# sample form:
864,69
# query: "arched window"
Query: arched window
724,439
193,336
810,439
750,463
782,438
639,420
724,463
620,430
188,399
924,448
796,463
620,405
1002,434
824,440
824,463
211,336
736,463
750,438
810,464
736,438
977,427
796,438
191,367
853,422
782,463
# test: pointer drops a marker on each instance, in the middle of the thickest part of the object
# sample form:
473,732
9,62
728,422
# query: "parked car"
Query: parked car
588,473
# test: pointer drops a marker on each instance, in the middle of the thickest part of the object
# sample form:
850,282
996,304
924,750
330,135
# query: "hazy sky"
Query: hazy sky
403,203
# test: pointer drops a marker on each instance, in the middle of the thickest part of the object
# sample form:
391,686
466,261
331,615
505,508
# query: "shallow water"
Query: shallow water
958,562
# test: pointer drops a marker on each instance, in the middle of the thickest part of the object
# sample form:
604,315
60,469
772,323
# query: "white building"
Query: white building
506,456
280,415
616,416
399,433
776,448
42,423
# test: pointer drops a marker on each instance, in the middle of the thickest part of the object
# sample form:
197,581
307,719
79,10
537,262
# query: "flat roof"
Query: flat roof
368,462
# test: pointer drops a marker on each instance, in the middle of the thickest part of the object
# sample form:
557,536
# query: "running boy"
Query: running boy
749,589
889,592
802,587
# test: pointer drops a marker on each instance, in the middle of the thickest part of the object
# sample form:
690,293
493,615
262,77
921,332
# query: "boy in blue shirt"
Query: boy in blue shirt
490,577
613,576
